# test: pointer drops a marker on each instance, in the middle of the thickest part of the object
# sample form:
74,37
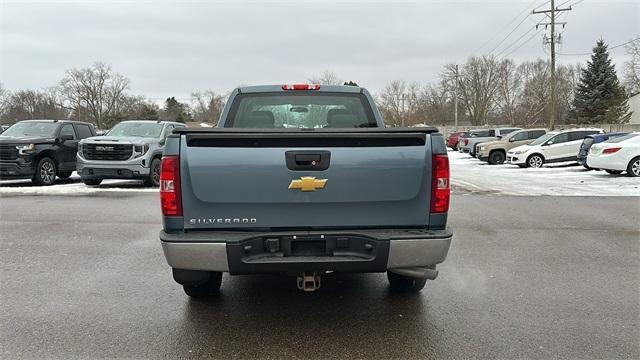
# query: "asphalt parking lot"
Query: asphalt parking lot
532,277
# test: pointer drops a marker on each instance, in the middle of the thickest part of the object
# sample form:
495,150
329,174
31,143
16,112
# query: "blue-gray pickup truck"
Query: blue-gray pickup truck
304,180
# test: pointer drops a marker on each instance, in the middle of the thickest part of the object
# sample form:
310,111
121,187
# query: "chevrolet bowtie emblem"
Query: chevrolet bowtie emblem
307,183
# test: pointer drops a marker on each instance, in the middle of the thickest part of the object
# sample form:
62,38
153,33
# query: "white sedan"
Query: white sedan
617,155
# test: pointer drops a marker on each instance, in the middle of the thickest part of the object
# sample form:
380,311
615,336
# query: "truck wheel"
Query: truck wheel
496,158
92,182
401,283
45,172
64,175
210,287
535,161
154,174
633,169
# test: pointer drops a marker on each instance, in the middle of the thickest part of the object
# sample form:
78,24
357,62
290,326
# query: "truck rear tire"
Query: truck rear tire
206,289
401,283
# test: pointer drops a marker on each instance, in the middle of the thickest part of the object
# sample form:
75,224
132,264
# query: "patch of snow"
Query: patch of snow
557,179
71,186
205,125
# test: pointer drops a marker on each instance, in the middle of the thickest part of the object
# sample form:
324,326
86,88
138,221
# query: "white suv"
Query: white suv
555,146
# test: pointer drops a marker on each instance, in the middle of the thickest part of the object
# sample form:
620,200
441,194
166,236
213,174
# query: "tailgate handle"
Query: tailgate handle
308,160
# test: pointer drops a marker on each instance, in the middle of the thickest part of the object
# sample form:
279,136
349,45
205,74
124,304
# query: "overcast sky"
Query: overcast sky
171,48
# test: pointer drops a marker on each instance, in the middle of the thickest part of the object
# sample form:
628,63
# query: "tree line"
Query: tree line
488,91
493,91
101,96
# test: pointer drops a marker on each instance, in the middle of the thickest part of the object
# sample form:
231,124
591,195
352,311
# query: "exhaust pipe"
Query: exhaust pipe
418,272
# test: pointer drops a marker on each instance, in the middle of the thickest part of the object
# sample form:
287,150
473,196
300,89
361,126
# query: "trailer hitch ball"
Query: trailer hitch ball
308,281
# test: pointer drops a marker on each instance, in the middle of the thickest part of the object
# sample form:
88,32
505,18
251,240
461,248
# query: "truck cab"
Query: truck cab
304,180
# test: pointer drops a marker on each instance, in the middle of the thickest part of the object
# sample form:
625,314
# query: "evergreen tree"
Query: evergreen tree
599,96
176,111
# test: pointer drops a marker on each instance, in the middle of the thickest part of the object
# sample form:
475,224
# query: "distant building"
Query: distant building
634,105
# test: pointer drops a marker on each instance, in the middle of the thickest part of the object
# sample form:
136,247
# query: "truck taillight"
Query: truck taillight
611,150
301,87
170,196
440,189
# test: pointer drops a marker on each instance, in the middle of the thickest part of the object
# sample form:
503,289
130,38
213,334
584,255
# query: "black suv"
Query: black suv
40,150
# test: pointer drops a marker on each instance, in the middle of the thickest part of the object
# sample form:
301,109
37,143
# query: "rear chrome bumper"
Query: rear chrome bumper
370,251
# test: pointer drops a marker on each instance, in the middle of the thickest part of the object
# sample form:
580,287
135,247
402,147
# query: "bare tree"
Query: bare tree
207,106
533,107
390,102
32,104
97,89
326,78
631,70
437,102
477,86
509,90
4,100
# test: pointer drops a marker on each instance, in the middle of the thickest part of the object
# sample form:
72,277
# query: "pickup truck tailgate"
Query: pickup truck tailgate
256,180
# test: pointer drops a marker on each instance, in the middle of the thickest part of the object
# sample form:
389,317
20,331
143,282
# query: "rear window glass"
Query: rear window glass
623,138
536,134
483,133
83,131
304,110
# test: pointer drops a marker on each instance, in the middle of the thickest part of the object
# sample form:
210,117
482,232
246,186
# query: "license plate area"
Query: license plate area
309,247
312,246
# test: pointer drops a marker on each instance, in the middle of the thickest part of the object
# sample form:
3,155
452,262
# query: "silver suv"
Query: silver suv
131,150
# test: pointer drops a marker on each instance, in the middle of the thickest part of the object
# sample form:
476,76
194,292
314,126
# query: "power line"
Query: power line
608,48
521,45
509,34
515,18
515,42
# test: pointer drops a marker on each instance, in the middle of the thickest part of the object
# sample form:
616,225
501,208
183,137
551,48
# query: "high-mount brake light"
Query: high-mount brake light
440,188
170,193
611,150
301,87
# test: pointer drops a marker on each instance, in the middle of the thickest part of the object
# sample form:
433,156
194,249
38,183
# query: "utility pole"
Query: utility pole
403,111
552,11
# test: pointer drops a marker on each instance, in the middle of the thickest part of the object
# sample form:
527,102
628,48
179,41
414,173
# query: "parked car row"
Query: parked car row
592,148
42,150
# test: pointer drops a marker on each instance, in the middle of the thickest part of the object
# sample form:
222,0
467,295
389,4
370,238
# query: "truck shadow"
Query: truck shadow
351,315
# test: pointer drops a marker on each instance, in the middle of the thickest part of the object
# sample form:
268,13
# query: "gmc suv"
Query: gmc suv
40,150
130,150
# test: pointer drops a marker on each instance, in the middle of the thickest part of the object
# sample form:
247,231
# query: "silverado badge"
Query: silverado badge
307,183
